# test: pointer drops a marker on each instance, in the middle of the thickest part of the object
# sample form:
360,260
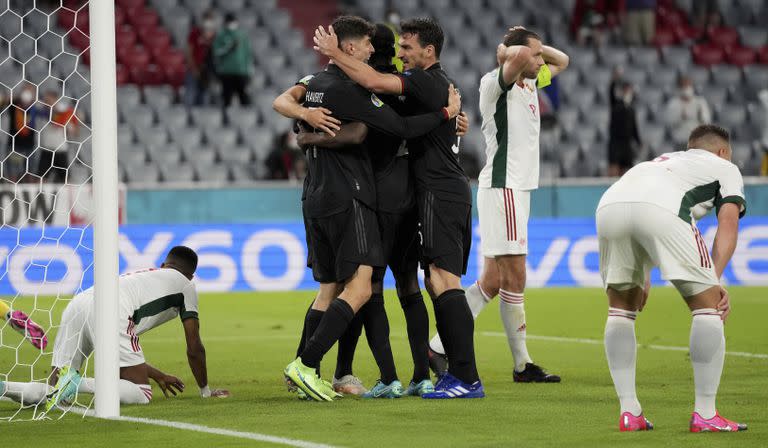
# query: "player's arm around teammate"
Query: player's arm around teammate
288,104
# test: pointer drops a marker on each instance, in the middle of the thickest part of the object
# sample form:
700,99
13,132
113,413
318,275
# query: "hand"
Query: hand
501,54
325,42
320,118
454,102
462,124
724,305
168,383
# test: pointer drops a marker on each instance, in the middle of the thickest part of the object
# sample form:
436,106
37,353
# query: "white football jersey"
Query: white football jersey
687,183
152,297
511,124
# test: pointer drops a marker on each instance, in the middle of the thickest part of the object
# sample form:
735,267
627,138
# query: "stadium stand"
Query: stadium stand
162,141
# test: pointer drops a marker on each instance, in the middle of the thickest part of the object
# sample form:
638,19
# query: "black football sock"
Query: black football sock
456,327
417,323
303,338
347,345
333,324
377,332
311,321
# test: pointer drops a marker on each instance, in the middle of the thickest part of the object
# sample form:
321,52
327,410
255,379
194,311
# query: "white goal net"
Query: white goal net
46,193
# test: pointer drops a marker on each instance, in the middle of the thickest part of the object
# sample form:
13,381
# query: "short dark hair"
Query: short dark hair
183,258
709,130
383,42
428,31
352,27
519,36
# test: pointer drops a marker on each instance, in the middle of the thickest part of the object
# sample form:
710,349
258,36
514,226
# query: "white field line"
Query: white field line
600,342
217,431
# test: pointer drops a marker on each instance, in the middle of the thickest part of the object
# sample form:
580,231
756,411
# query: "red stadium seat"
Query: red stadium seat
741,56
79,39
148,75
144,18
707,54
762,55
174,74
125,36
154,37
66,19
664,37
130,4
688,33
724,37
119,16
122,75
134,57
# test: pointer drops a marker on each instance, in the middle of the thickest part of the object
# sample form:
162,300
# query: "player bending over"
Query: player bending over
648,218
20,322
148,298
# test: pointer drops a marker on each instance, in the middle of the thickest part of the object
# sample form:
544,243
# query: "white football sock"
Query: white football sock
512,309
707,356
130,393
477,299
621,351
28,394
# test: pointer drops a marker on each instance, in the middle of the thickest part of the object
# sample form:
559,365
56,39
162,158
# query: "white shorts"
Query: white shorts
74,341
635,237
503,214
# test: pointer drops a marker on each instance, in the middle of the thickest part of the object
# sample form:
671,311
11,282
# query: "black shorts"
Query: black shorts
399,240
445,228
339,243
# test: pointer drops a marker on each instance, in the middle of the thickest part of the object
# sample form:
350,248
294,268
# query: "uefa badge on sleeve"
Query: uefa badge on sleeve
376,101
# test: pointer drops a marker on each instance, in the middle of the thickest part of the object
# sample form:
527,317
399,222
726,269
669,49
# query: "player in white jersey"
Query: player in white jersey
509,107
648,218
147,299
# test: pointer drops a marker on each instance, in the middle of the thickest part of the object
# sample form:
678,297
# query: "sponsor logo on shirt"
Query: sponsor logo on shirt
305,80
376,101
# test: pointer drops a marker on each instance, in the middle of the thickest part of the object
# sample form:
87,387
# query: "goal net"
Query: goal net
46,188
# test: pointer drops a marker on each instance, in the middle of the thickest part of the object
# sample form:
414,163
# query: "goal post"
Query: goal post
105,195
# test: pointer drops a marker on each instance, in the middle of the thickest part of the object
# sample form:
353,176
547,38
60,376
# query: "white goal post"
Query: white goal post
105,194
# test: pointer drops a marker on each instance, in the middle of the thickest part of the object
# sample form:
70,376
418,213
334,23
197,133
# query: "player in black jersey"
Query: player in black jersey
398,224
442,191
342,232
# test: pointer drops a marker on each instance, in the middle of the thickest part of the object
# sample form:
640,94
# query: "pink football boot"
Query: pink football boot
715,424
29,329
629,422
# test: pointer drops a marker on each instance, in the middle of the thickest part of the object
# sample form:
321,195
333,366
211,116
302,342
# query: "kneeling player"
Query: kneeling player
147,299
648,218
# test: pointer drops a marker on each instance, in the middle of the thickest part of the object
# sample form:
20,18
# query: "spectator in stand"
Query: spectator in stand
282,160
56,136
199,63
21,159
639,22
702,11
623,136
685,111
233,61
591,20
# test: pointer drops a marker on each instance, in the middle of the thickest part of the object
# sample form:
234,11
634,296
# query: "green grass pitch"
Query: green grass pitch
250,337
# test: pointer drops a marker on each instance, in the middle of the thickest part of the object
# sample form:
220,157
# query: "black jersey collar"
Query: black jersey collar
435,66
333,68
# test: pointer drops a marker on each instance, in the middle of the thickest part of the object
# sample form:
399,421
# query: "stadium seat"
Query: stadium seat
707,54
178,172
167,154
188,138
613,56
644,56
752,36
732,115
260,140
221,137
143,174
724,37
159,97
678,57
139,118
208,117
741,56
128,96
655,138
664,37
212,173
699,75
174,118
235,154
726,75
